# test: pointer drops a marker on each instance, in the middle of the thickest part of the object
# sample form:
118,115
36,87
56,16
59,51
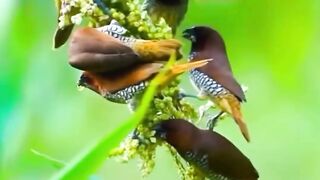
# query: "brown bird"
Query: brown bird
215,80
95,51
173,11
122,86
214,155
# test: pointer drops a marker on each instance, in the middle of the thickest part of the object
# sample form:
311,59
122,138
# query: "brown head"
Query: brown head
177,132
208,43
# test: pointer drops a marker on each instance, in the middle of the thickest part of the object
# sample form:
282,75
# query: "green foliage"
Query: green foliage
127,13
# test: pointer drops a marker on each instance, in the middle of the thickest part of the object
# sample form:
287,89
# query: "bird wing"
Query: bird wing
94,51
112,82
219,70
224,158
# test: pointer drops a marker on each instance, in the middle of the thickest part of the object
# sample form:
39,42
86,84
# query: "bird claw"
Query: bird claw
211,123
204,108
135,135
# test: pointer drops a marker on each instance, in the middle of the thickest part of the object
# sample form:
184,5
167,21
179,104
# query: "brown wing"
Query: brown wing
225,158
219,69
94,51
102,83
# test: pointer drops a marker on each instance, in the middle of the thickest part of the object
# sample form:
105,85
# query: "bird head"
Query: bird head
203,36
86,80
200,33
176,132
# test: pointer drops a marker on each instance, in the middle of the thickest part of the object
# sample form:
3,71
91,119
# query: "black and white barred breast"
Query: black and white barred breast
123,96
115,30
205,83
201,161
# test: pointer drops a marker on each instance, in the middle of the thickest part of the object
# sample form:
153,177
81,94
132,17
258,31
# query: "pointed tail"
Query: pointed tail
237,116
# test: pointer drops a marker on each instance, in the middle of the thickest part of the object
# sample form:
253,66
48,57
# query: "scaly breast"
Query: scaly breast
201,161
206,84
123,96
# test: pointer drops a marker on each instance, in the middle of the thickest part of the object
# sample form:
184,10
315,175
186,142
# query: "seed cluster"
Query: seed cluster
165,106
128,13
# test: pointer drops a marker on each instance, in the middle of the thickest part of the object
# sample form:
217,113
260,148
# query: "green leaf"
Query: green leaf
86,163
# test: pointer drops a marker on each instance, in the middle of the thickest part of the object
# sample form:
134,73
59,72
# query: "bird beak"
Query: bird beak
83,81
86,81
159,131
188,35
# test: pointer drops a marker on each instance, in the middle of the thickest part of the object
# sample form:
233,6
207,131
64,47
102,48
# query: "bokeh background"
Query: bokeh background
273,48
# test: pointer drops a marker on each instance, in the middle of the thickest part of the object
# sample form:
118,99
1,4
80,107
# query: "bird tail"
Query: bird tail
231,105
237,116
157,50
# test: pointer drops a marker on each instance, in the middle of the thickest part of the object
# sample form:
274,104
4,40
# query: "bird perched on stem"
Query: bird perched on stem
95,51
123,86
215,80
173,11
119,67
211,153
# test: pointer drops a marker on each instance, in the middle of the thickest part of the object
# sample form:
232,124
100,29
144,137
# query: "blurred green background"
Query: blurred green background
273,48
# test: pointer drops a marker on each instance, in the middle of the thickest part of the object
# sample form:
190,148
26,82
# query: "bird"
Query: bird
215,81
211,153
172,11
96,51
122,86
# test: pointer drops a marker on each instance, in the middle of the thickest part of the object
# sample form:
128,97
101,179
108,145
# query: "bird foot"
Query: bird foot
211,123
203,109
136,135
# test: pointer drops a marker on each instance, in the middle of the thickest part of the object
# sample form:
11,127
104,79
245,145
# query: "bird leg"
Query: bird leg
212,122
200,96
102,6
135,135
204,108
183,95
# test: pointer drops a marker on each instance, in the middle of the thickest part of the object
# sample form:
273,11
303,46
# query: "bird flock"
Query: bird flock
119,67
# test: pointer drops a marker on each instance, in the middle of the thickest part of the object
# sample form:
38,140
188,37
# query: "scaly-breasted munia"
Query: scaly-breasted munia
95,51
211,153
215,80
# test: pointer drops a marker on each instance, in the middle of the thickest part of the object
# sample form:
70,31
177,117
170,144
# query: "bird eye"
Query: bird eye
193,38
